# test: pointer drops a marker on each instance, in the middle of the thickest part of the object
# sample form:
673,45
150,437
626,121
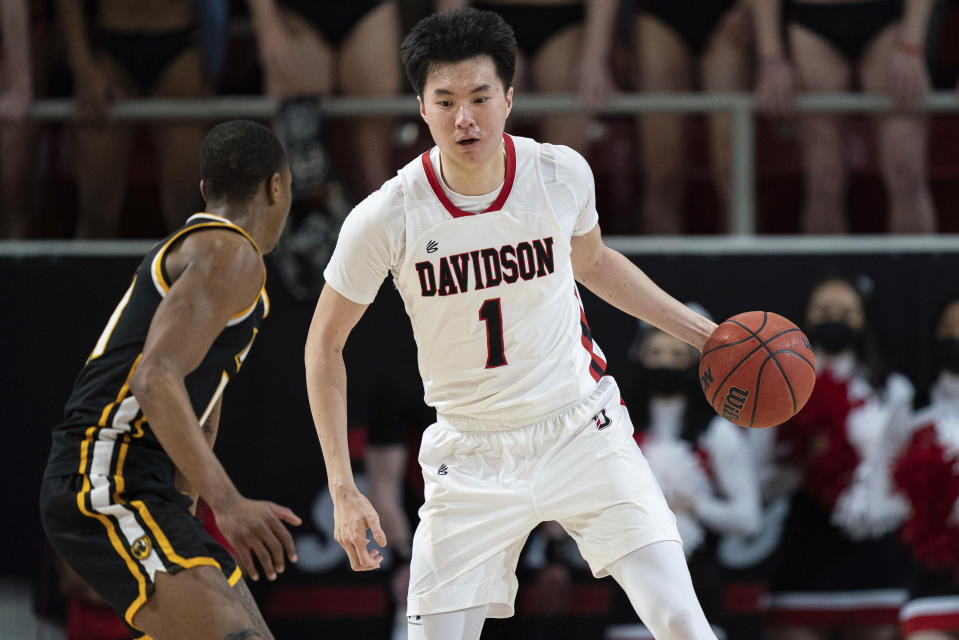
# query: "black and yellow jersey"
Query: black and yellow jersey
104,432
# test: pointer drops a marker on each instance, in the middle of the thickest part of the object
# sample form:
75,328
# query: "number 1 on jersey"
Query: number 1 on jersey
492,315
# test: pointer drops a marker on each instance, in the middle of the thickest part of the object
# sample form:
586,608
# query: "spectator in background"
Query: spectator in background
564,47
310,48
680,44
840,575
701,461
926,473
829,44
134,49
16,137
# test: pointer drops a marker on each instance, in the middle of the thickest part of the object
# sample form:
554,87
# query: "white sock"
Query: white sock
656,579
464,624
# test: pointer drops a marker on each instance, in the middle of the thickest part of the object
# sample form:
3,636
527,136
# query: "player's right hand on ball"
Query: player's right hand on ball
353,515
255,527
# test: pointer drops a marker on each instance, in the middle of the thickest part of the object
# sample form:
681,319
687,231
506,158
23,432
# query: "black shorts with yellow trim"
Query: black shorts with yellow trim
118,541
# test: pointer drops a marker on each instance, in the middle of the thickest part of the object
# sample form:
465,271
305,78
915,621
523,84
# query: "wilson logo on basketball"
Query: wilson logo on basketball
141,547
706,379
735,401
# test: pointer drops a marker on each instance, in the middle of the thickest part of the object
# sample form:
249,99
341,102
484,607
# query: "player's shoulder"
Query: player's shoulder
559,163
384,204
222,248
379,219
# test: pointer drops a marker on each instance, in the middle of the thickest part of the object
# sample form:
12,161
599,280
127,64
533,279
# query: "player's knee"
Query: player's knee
681,622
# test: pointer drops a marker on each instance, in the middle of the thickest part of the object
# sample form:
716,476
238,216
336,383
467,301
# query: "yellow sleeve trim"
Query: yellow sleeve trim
157,272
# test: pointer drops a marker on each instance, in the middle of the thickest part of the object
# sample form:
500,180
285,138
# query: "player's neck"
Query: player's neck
474,179
242,216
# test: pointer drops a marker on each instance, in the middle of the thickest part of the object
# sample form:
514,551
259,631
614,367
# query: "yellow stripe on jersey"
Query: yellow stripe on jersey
112,323
235,577
233,225
120,396
221,222
84,446
120,549
119,484
241,357
158,278
138,427
224,379
243,314
88,436
266,299
165,545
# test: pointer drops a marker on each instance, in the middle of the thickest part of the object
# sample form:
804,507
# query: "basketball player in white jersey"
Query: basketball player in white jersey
486,236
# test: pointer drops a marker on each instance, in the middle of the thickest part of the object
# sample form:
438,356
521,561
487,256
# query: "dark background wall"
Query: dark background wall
56,307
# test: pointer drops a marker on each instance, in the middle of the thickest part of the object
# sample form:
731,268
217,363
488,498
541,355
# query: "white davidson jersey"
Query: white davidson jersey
501,335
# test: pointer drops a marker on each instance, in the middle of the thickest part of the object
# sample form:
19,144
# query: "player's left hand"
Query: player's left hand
908,82
353,515
255,528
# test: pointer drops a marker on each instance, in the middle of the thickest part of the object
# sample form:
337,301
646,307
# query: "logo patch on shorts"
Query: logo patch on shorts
602,420
141,547
417,620
442,470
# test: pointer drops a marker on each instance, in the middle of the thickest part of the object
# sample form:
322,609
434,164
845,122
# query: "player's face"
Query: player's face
465,106
663,350
948,327
835,301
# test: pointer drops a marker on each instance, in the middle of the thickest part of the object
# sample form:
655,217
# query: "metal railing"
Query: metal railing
741,106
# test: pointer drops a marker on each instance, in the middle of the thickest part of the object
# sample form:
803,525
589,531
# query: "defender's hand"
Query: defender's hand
353,515
256,526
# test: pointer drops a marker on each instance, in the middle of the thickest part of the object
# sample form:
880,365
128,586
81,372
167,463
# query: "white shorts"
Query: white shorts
485,492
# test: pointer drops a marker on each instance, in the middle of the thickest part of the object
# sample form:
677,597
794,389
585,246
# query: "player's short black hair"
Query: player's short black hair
457,35
236,157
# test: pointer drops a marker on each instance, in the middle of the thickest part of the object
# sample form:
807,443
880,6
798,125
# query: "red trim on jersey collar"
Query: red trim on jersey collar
455,211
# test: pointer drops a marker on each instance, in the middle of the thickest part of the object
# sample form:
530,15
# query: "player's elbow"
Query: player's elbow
589,263
148,379
321,346
585,270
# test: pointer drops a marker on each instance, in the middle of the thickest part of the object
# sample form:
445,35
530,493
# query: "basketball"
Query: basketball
757,369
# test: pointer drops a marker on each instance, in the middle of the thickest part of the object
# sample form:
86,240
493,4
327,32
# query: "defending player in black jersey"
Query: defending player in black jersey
139,426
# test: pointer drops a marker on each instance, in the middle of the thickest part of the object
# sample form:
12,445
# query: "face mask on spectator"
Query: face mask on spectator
666,381
947,354
833,336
